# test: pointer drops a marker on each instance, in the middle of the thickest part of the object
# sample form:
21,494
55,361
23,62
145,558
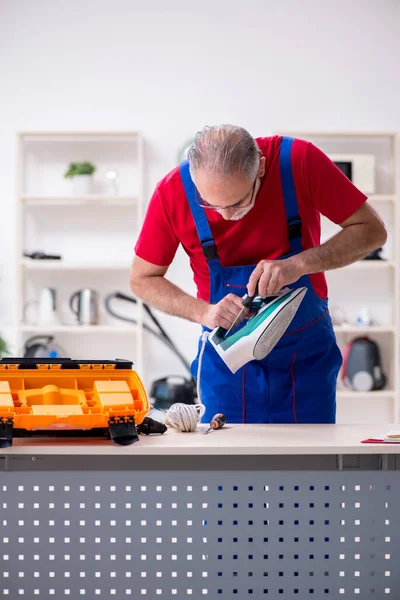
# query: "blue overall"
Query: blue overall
296,382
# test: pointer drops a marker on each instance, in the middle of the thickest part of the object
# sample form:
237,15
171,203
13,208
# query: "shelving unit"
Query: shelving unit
78,329
372,264
92,200
95,235
366,283
60,265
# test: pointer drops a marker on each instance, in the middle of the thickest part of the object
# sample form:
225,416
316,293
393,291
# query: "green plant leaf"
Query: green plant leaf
83,168
4,350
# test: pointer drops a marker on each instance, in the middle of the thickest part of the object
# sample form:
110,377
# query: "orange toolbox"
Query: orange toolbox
73,397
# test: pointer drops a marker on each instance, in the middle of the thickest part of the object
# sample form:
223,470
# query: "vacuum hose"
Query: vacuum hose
164,337
184,417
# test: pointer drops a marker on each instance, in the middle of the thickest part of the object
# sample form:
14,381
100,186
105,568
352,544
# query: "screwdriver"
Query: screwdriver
247,302
216,422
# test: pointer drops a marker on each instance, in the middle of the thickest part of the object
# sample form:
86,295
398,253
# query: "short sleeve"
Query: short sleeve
331,192
157,242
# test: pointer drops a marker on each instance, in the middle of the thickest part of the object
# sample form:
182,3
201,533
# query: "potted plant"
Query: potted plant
4,350
81,175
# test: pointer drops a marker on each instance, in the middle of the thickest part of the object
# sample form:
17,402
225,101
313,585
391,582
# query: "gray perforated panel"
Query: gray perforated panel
297,535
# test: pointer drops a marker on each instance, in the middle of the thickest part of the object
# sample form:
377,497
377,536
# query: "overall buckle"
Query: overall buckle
209,249
294,227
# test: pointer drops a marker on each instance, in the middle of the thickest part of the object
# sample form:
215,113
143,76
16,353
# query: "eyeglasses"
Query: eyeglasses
239,204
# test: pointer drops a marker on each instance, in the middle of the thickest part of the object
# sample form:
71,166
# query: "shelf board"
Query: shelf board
371,264
92,200
363,329
60,265
78,136
379,394
339,134
79,329
382,197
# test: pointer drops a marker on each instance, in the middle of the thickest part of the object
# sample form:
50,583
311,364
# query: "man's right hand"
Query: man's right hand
224,312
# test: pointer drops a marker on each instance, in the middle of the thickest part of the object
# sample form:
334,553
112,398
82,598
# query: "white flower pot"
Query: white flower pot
82,185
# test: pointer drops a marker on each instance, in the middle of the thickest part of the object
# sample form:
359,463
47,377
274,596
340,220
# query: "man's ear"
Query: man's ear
261,170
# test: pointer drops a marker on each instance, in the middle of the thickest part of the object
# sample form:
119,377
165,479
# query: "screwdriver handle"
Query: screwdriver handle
218,421
248,300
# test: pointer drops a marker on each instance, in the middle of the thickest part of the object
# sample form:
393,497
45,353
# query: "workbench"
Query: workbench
249,511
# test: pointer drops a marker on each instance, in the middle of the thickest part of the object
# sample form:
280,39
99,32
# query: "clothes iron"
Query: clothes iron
262,331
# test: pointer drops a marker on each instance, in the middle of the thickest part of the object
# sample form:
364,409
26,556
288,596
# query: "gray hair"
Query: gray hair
224,150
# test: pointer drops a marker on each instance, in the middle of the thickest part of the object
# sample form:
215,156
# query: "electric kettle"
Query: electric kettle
85,305
46,308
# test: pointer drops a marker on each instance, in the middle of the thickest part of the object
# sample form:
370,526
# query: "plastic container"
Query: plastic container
64,395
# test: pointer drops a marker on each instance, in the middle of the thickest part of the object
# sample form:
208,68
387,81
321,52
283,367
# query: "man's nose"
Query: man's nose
227,213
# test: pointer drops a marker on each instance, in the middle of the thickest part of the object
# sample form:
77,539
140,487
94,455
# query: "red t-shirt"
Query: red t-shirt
321,188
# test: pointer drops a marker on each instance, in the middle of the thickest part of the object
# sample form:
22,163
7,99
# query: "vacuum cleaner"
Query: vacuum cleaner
261,332
362,367
43,346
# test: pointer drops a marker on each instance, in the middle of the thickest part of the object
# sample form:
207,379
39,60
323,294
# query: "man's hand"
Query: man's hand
223,313
273,275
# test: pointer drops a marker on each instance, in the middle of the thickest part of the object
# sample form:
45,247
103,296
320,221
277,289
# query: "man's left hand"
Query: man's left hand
273,275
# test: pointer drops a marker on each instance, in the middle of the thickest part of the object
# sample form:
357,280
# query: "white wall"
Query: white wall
168,68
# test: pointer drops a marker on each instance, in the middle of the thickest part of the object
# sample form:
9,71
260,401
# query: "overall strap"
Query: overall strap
289,196
200,219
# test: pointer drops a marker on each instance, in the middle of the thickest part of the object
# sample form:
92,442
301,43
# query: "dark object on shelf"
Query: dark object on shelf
169,390
374,255
346,167
38,255
362,367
